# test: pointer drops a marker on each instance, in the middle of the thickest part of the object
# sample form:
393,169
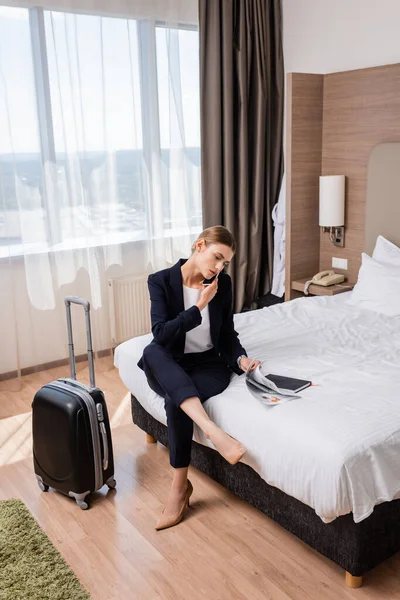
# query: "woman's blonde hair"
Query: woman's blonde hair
216,235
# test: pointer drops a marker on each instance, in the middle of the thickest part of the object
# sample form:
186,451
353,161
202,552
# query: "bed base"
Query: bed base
356,547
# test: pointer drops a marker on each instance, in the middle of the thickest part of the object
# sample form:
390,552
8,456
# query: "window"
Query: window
175,51
21,208
99,130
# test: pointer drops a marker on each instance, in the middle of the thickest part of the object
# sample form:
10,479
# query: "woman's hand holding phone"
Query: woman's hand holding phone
210,281
207,294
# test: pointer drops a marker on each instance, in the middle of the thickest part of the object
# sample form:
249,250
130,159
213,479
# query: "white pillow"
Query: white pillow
386,252
377,288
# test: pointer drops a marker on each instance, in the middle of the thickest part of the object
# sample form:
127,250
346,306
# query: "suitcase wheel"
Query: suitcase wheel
111,483
43,486
80,499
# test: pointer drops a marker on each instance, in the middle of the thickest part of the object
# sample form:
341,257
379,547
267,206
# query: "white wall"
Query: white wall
29,336
324,36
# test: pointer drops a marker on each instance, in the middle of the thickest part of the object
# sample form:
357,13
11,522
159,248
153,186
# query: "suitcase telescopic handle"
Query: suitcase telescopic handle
86,305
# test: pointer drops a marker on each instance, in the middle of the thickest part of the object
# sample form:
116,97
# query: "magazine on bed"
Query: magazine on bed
273,389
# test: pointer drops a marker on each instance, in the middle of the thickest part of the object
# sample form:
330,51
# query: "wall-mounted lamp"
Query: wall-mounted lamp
331,207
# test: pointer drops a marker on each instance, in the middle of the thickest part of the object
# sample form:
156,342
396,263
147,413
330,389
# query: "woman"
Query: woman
193,353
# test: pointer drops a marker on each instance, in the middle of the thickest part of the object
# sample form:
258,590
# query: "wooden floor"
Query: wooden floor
224,549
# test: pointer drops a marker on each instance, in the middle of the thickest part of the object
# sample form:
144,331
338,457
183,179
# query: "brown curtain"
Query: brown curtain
241,88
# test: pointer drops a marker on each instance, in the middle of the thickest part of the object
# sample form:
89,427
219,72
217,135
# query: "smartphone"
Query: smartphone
209,281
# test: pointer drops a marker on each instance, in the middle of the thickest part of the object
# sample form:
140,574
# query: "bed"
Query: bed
324,466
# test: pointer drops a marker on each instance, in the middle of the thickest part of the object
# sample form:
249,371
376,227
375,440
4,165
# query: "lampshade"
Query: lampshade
331,200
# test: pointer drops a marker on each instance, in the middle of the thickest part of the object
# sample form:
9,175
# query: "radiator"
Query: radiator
129,304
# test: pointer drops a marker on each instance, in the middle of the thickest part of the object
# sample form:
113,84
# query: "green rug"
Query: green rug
30,566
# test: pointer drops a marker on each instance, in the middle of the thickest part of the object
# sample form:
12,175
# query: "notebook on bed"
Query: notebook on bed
274,389
288,384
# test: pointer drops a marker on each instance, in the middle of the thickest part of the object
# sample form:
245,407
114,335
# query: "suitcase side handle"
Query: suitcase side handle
68,300
103,433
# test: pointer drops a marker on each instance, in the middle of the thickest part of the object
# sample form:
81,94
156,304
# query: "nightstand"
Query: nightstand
320,290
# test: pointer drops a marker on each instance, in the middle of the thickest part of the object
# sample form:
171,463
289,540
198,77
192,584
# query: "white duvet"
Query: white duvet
337,448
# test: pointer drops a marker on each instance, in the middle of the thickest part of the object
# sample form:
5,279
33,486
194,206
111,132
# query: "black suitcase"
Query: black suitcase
72,446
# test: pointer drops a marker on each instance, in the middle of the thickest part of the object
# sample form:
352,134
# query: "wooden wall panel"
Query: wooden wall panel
303,167
333,123
360,110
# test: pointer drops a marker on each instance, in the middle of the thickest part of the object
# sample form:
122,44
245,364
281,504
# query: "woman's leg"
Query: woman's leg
164,376
177,492
228,447
180,432
211,377
168,379
183,406
185,387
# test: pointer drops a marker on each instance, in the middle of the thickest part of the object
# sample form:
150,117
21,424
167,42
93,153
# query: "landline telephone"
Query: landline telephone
327,278
324,278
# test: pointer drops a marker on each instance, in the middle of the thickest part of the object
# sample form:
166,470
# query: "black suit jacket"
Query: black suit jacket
170,321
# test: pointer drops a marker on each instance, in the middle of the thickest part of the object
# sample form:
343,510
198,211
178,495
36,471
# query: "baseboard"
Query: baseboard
51,365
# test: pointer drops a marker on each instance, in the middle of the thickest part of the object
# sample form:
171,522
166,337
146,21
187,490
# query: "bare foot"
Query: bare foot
227,446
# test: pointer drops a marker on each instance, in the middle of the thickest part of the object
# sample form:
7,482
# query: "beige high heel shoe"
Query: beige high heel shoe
169,521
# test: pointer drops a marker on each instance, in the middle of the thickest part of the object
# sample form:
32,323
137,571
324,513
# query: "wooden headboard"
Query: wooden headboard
358,111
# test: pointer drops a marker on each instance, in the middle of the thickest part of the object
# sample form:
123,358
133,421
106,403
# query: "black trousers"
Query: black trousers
201,374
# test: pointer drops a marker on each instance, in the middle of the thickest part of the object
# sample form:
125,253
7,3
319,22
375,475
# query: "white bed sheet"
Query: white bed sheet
337,448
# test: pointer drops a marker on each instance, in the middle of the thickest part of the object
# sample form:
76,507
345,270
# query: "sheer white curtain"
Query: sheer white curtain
99,159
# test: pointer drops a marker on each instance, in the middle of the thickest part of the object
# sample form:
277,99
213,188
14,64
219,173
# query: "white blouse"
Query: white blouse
199,338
